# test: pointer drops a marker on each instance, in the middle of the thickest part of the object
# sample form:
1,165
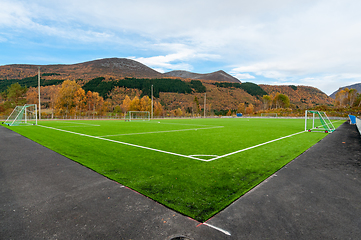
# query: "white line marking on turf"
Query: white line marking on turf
202,155
180,130
245,149
219,229
129,144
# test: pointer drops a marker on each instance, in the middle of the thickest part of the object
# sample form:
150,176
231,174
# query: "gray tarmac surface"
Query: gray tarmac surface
44,195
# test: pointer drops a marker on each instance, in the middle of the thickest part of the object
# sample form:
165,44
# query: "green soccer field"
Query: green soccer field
194,166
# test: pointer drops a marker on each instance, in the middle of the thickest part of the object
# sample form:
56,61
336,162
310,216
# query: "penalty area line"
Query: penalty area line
124,143
255,146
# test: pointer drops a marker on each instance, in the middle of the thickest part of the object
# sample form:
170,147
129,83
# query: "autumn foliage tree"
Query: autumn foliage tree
267,102
65,104
250,109
346,97
281,101
14,95
72,101
241,108
126,104
158,109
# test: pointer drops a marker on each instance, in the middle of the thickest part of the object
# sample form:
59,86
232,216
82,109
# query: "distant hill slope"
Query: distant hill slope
219,76
356,86
301,96
108,68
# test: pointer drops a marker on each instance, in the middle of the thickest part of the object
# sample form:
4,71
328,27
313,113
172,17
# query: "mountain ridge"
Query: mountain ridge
108,67
219,76
356,86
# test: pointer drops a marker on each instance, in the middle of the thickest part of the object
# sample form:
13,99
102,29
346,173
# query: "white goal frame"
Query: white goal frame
21,115
137,115
318,122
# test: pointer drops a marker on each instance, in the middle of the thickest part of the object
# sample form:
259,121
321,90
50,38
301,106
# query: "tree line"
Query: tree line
30,82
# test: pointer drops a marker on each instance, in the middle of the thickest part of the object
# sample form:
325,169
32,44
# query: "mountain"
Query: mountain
219,76
110,67
107,67
356,86
219,96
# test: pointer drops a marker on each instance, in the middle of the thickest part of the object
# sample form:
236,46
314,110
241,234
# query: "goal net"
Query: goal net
137,115
23,115
317,121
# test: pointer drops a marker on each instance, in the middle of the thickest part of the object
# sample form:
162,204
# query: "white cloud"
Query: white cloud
243,76
177,60
288,41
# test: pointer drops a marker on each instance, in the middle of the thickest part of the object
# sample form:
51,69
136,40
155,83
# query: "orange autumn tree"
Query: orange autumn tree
79,101
95,104
145,104
73,102
126,104
65,104
158,109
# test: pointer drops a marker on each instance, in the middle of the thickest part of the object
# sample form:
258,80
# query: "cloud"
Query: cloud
283,41
243,76
177,60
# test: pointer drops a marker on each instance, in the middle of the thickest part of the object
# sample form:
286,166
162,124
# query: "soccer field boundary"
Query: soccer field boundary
194,156
168,131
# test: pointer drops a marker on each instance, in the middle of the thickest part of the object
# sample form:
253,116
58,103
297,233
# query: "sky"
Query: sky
279,42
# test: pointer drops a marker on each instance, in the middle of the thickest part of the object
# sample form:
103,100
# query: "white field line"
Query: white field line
217,228
202,155
245,149
124,143
180,130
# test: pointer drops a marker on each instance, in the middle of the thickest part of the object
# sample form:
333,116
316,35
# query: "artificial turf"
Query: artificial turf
195,188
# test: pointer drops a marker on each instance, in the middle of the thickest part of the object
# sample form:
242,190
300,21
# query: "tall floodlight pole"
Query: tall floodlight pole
39,91
152,103
205,99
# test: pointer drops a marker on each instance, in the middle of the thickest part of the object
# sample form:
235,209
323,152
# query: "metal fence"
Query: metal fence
358,124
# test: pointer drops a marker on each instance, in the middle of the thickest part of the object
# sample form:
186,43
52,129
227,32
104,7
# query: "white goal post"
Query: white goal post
137,115
317,121
23,115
